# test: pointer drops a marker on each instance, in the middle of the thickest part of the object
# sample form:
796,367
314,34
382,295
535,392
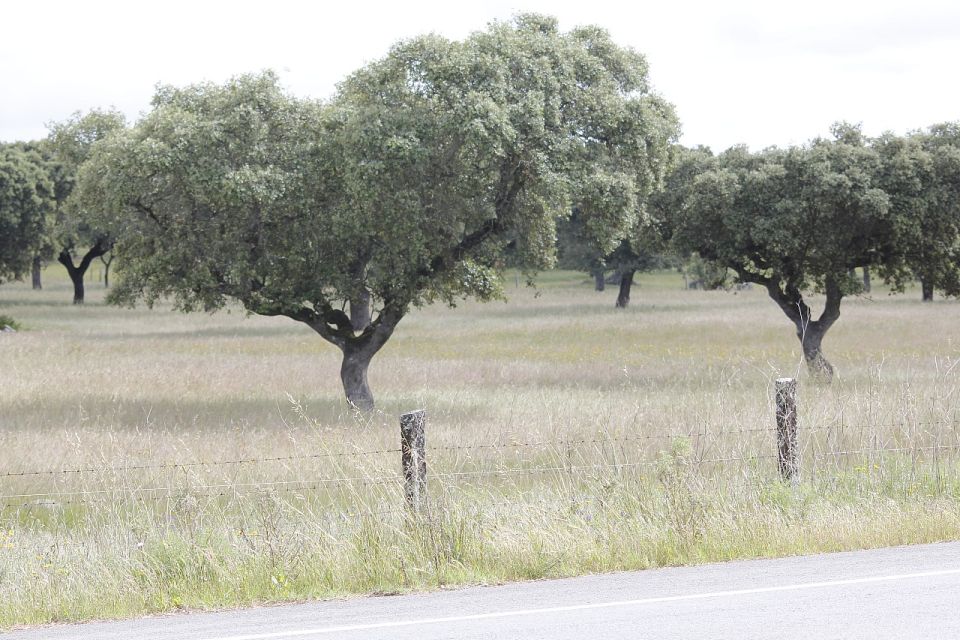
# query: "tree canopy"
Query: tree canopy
407,187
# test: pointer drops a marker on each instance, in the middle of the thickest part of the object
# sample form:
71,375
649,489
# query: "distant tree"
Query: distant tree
642,246
26,203
921,174
79,237
791,221
641,252
407,188
578,252
62,178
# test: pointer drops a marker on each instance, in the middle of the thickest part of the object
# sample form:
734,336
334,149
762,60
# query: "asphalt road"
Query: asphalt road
902,592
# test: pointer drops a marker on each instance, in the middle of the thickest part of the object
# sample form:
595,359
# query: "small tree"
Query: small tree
792,221
641,252
407,188
26,203
79,236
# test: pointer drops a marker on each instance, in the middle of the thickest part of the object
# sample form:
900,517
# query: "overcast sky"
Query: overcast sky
738,71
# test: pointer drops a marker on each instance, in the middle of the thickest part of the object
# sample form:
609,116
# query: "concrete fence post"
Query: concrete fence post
788,451
413,454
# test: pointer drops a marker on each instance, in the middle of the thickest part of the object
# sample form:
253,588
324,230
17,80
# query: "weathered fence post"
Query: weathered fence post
787,448
413,454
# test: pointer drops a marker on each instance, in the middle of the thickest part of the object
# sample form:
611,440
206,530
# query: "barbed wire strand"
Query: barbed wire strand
199,463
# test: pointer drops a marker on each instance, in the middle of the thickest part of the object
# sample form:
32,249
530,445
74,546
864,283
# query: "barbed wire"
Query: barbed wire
314,483
156,498
851,452
199,463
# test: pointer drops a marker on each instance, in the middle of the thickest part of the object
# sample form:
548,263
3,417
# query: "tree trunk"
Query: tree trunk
810,340
926,286
35,273
360,311
866,279
809,331
76,276
353,375
626,282
77,272
599,283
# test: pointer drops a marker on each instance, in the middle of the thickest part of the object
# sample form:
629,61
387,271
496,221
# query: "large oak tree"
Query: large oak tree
407,187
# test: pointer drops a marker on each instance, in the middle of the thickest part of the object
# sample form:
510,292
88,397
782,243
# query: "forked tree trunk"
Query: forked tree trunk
626,282
78,271
358,350
926,287
599,284
106,270
809,331
35,273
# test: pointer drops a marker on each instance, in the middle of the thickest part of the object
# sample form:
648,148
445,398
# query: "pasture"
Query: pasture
152,460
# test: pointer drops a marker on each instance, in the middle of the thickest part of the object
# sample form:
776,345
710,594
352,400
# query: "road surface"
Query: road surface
902,592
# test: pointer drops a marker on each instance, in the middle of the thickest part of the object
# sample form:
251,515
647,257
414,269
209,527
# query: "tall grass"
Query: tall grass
199,461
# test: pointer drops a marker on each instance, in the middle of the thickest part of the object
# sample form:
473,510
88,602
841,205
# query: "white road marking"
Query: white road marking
583,607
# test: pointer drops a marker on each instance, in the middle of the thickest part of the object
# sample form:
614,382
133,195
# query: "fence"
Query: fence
779,447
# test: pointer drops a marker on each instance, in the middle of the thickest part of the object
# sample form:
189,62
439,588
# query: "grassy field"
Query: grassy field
198,461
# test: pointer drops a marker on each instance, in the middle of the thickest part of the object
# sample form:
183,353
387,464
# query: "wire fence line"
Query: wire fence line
571,446
559,443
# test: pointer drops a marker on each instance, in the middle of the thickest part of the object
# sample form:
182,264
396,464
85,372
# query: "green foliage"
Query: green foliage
921,174
26,205
7,321
67,147
796,219
437,157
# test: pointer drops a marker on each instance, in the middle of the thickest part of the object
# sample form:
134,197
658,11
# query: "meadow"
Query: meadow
153,461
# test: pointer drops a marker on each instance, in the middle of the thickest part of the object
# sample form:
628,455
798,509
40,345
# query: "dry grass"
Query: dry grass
98,387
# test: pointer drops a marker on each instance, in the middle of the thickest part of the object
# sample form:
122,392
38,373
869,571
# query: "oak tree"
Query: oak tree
407,187
793,221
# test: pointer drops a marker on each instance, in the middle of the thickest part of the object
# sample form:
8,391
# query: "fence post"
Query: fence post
788,457
413,454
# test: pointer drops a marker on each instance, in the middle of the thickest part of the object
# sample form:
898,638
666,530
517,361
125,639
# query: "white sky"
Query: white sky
739,71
